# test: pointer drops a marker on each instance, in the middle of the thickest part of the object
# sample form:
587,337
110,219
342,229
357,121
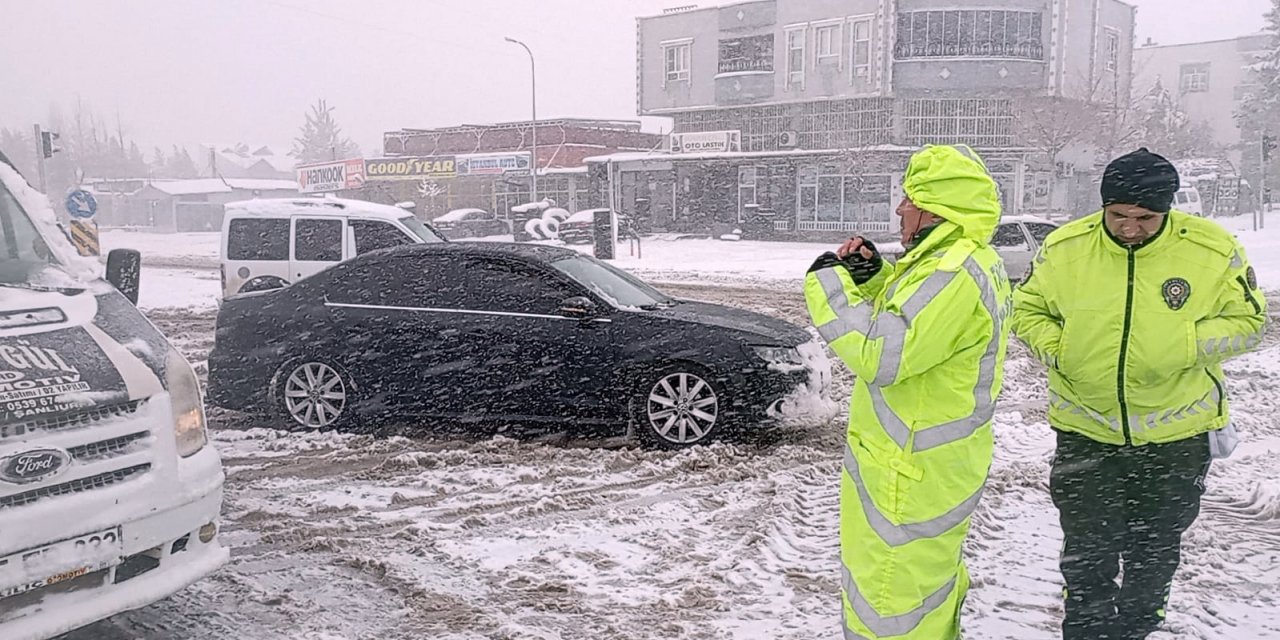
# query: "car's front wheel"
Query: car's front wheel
679,406
315,395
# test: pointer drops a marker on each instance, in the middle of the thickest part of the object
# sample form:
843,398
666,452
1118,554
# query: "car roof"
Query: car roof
1027,218
528,251
338,207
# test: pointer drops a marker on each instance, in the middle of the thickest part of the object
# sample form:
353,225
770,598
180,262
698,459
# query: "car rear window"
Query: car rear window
258,240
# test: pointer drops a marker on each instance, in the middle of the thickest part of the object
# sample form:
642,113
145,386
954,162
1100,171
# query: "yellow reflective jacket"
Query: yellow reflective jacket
926,339
1135,339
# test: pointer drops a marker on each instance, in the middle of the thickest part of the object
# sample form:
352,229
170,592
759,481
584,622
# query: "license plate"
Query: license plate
59,562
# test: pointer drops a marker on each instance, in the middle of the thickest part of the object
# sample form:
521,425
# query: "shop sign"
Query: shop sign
411,168
494,164
331,176
706,142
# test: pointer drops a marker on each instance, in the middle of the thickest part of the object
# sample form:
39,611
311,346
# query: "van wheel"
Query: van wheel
678,406
315,395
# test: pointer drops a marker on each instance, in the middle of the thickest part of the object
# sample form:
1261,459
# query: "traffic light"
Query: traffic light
46,143
1269,143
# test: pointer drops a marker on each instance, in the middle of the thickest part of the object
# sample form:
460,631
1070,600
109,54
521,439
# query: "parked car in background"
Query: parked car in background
505,333
1016,239
110,493
1187,200
269,243
471,223
579,228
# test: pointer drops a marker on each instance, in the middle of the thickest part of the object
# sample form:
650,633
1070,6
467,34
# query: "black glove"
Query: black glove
826,261
862,268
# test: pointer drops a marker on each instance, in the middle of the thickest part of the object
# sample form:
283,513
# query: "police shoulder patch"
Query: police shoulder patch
1176,292
1251,277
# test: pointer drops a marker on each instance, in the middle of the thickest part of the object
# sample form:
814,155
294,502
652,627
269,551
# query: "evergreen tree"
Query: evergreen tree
159,164
321,139
181,165
1259,112
20,148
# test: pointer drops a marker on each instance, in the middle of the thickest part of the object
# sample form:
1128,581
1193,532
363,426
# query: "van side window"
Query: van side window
250,239
318,240
372,235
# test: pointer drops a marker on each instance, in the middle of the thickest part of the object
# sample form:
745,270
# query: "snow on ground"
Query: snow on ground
427,534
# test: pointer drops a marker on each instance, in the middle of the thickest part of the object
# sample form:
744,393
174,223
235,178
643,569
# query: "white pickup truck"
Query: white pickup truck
109,492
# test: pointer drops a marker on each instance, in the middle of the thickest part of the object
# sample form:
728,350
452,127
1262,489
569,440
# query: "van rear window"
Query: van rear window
258,240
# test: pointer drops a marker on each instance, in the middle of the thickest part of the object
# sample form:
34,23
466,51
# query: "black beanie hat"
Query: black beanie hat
1141,178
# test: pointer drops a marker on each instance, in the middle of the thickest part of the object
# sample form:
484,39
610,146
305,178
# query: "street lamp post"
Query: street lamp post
533,70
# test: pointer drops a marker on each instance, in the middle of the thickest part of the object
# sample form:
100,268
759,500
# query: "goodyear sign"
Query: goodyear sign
411,168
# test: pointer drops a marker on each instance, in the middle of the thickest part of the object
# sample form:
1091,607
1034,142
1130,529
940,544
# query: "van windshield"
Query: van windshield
421,230
23,253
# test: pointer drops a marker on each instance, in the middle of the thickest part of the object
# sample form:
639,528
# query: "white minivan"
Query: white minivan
270,243
110,493
1187,200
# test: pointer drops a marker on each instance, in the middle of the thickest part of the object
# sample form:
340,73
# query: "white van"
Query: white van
1187,200
109,491
268,244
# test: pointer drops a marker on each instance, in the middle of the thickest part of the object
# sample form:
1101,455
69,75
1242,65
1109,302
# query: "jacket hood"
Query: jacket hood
953,183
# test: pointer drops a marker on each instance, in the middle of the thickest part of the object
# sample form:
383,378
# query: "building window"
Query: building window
978,123
1195,78
826,44
677,59
822,124
970,34
748,54
795,58
832,198
747,181
1113,49
860,49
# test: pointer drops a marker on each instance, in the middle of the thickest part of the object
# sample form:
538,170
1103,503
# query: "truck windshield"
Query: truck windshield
23,252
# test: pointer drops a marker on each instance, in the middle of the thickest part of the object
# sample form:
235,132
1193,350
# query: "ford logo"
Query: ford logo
34,466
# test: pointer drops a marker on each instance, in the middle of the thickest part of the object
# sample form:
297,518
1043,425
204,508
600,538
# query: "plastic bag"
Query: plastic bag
1223,442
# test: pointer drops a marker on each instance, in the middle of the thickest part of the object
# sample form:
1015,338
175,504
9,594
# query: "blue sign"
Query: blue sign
81,204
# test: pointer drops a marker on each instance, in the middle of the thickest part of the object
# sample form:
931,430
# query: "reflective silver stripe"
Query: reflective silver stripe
895,334
897,535
984,405
1230,346
1062,404
849,634
899,625
848,319
1207,404
1237,261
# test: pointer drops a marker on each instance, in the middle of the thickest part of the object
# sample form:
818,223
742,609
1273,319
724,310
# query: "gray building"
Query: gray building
820,102
1207,81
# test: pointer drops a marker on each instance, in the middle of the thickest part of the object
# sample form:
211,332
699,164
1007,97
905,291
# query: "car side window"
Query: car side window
258,239
372,235
1010,236
317,240
1040,231
357,284
423,282
509,287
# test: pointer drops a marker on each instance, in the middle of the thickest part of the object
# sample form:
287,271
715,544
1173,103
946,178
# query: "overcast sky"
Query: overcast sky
223,71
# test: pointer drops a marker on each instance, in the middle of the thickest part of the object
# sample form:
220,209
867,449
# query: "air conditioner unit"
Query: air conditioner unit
788,139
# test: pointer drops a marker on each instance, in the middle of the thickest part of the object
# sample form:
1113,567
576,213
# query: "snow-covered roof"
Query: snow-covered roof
217,185
284,207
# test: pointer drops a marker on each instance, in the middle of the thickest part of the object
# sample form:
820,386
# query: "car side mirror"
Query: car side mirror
578,307
124,271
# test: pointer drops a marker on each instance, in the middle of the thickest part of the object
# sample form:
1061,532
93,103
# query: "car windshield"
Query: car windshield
618,287
23,252
419,229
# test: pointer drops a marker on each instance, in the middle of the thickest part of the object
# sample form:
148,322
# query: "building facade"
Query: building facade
488,166
177,205
1207,81
826,99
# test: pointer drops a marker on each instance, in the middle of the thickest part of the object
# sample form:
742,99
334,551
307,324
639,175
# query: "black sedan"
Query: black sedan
505,333
471,223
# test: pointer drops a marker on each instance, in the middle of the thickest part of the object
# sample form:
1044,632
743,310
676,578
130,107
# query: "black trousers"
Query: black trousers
1123,506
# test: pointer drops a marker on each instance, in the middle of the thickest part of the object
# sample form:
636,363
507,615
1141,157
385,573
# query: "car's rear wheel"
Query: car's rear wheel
679,406
315,395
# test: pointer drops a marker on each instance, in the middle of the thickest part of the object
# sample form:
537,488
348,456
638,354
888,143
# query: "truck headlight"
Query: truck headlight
188,405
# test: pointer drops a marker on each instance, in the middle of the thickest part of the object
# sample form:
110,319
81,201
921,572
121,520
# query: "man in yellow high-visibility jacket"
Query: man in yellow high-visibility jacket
926,339
1134,309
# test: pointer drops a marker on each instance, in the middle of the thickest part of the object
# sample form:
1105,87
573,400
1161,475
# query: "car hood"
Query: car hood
767,328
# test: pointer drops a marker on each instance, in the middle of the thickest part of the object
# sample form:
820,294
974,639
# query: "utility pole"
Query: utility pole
1267,148
533,69
39,140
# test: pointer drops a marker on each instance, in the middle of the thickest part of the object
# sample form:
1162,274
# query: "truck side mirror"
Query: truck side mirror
124,270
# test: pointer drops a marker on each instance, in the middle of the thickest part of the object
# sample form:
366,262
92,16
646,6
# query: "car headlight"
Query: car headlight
778,355
187,403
